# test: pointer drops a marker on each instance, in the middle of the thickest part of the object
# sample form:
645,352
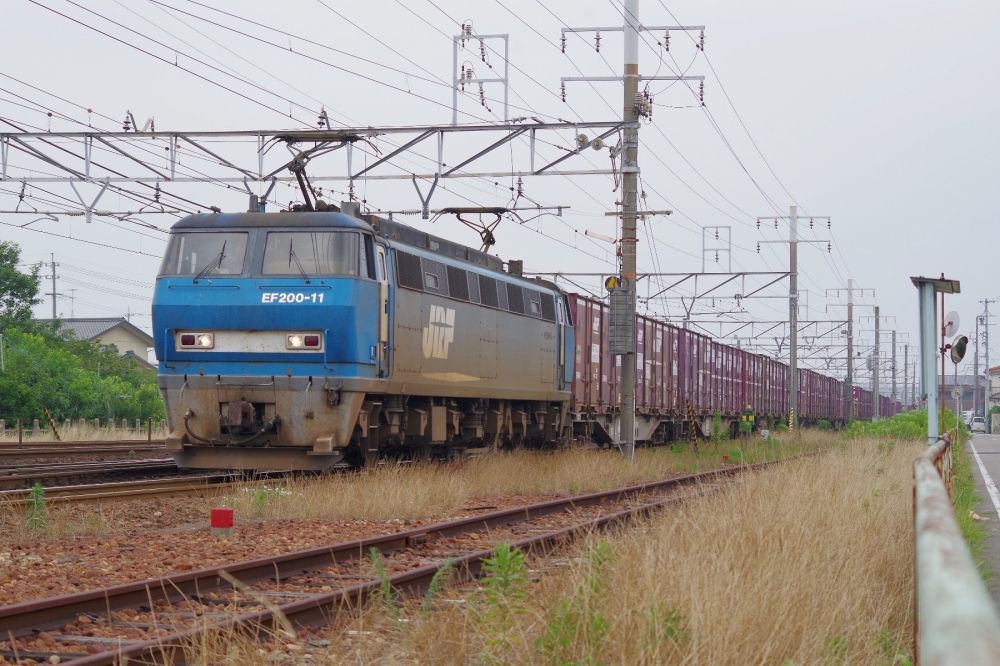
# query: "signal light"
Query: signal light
312,341
187,340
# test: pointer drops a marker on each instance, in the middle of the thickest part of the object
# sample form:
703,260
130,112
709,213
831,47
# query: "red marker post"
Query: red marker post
222,522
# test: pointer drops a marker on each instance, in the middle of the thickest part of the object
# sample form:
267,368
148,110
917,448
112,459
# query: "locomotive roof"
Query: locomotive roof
304,219
389,229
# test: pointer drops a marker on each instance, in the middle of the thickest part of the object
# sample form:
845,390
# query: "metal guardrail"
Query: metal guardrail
956,621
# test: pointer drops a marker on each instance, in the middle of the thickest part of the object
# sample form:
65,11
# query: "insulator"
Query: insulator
716,234
482,50
597,41
758,248
701,93
758,224
716,256
701,41
810,223
775,223
828,223
482,97
829,248
563,91
666,41
461,77
563,40
467,28
324,120
520,186
127,125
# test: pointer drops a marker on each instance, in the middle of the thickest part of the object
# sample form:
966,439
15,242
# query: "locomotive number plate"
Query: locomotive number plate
289,297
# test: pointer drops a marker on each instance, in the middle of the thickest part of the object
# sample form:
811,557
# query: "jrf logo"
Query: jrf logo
439,333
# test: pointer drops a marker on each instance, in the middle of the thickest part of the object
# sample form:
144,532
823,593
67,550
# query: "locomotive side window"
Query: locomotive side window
314,253
214,253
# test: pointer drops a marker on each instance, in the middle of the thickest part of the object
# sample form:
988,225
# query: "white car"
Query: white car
978,424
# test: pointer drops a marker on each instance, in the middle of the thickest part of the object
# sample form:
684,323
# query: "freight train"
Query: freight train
311,340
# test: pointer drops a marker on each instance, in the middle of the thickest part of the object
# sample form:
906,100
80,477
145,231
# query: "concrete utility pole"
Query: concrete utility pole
875,386
793,302
988,400
635,105
906,377
849,381
893,368
975,370
630,200
53,276
793,314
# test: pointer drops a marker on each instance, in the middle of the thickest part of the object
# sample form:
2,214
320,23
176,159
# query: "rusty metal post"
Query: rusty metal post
955,621
20,432
149,431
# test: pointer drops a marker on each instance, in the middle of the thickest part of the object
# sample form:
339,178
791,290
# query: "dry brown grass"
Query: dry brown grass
62,521
806,563
85,432
408,492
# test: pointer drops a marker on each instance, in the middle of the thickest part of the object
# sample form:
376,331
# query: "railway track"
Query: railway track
122,490
77,449
151,620
26,475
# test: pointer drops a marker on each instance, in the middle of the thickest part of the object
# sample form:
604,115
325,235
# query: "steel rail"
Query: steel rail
53,612
318,610
14,453
120,443
955,620
27,475
118,490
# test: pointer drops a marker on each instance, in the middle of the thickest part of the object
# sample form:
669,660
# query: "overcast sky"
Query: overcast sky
881,115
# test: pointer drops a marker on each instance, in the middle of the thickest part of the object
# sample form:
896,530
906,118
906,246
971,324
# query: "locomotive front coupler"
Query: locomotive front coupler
266,427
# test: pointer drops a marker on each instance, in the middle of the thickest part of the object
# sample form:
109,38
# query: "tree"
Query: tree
18,291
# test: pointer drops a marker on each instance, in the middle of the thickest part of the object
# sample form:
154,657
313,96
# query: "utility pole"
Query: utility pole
623,297
793,314
906,377
793,302
849,379
975,370
893,368
875,387
849,382
630,200
988,400
53,276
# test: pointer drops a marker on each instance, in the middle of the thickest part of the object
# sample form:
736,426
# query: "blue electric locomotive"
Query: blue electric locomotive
307,340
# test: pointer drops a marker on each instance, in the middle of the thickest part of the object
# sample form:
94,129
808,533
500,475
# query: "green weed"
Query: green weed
37,512
835,651
892,655
505,591
440,579
579,616
385,594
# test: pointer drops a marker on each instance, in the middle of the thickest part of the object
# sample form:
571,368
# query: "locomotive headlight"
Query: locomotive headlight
197,340
311,341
